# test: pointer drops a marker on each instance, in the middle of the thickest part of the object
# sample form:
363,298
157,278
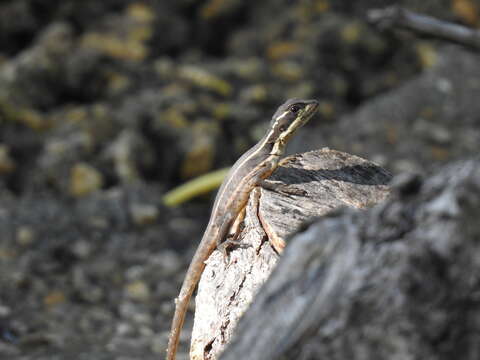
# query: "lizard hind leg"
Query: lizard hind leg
232,237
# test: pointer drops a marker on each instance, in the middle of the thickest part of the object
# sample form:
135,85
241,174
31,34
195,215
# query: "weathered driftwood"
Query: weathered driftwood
399,281
329,180
398,17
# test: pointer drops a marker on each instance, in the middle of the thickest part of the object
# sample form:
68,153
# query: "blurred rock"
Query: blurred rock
54,298
130,155
25,78
7,165
143,214
25,235
138,290
84,179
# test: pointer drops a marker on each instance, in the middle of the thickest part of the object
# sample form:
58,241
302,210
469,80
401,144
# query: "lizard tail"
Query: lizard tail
188,287
181,306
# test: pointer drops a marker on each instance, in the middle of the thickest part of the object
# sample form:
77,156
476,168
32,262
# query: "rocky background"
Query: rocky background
106,105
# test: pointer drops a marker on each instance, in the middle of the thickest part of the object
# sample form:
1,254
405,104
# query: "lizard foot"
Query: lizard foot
229,244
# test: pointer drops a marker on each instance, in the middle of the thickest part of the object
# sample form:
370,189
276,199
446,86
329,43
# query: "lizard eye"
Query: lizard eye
295,108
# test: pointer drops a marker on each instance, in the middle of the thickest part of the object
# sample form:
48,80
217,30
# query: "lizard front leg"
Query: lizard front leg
235,229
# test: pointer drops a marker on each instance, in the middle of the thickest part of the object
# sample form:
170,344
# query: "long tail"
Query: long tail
208,243
191,280
180,311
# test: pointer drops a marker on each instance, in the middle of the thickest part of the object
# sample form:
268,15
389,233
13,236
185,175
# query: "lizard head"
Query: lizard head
290,116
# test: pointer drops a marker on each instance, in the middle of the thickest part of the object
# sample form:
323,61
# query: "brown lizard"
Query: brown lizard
250,170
